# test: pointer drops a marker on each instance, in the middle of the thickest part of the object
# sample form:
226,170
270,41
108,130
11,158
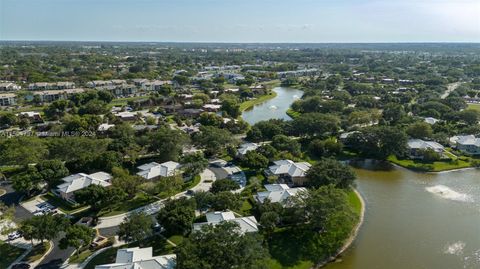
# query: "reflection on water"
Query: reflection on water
275,108
416,220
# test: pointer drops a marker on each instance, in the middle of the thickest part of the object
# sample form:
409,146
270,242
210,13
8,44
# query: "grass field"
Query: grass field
437,166
139,200
8,254
474,106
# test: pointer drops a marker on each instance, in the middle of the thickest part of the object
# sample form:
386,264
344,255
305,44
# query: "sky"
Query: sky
296,21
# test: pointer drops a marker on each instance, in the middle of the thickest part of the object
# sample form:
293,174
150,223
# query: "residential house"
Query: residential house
105,127
289,171
277,193
8,99
140,258
212,107
31,115
9,86
247,224
467,143
431,120
154,170
418,146
127,115
246,147
79,181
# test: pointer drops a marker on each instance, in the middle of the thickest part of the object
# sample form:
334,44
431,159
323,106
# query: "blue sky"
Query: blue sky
241,20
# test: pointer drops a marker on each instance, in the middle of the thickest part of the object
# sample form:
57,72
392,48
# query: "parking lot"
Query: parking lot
38,206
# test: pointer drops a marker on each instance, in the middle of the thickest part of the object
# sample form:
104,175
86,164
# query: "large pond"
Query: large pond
275,108
416,220
413,220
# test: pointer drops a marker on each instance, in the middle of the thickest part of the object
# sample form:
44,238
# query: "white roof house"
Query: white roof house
79,181
467,143
288,167
431,120
153,169
246,147
277,193
140,258
247,224
417,144
104,127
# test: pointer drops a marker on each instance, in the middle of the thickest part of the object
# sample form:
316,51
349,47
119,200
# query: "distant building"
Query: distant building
8,99
79,181
140,258
53,95
247,224
289,171
43,86
154,170
246,147
9,86
431,120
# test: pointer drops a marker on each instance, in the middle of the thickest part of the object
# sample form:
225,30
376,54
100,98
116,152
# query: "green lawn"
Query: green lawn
293,114
9,254
474,106
37,252
158,243
355,202
250,103
176,239
285,247
437,166
192,183
139,200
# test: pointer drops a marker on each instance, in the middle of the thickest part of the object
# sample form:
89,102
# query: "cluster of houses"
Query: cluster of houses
468,144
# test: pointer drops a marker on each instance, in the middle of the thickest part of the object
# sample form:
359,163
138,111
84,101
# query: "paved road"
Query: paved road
14,198
450,88
153,208
51,260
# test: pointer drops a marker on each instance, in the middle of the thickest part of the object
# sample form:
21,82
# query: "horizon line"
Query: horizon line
246,42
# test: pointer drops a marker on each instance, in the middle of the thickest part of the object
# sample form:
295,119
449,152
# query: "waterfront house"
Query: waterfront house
140,258
80,181
154,170
246,224
468,144
288,171
417,148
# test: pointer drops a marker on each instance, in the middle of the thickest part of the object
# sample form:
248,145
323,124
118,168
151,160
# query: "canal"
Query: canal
413,220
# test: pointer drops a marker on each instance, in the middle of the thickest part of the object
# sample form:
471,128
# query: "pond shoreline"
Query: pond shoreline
348,243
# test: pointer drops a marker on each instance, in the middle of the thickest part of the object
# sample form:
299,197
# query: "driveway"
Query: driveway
14,198
153,208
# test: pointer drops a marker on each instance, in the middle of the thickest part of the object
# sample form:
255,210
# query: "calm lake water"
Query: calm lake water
274,108
413,220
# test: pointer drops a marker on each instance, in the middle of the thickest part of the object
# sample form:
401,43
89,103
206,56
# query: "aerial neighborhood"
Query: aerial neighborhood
161,156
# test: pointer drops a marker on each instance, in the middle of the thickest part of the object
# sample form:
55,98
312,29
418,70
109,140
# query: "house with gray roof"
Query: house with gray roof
80,181
154,170
246,224
417,147
277,193
467,144
289,171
